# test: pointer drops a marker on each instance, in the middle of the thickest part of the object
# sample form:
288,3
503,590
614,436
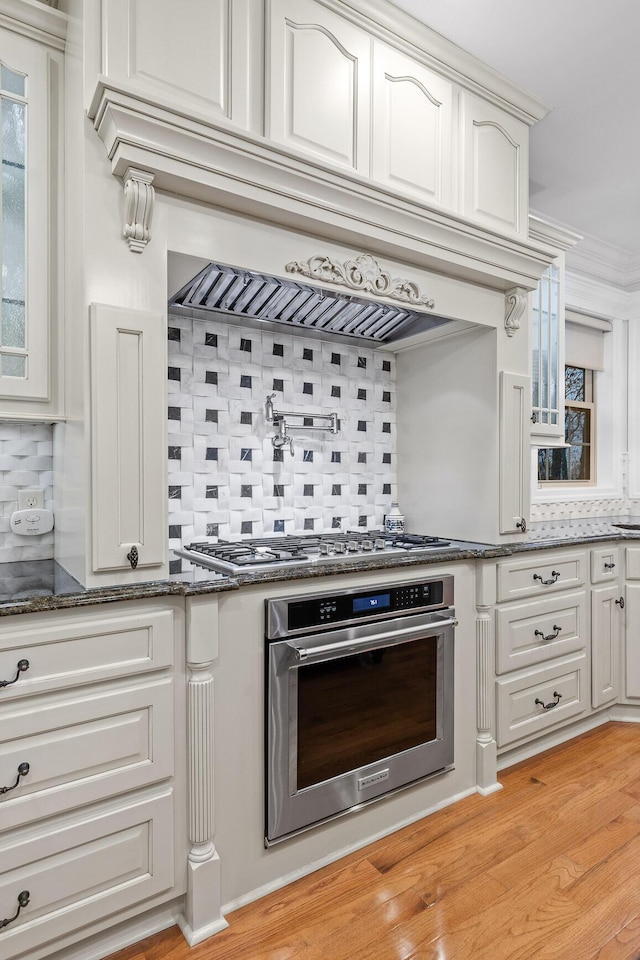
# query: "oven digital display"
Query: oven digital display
377,601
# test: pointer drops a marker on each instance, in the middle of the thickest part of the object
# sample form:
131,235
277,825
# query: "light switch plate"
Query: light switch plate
30,523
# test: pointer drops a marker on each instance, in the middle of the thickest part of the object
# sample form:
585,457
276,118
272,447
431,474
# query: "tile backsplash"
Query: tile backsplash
26,460
225,477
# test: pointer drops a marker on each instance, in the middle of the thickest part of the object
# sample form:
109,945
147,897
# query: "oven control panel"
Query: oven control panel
303,614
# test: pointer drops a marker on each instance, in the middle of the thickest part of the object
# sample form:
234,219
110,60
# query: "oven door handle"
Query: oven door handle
349,647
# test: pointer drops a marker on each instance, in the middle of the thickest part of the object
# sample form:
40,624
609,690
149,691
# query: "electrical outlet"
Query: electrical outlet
31,498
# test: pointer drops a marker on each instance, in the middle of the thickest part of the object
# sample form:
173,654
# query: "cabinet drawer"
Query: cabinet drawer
540,574
84,749
539,630
519,716
79,870
605,564
76,651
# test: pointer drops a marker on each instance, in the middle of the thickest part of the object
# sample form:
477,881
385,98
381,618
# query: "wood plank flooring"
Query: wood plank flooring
547,868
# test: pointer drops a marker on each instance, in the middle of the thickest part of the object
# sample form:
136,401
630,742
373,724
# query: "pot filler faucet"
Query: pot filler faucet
278,419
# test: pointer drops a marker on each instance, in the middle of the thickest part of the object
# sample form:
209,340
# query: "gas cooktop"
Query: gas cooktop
249,556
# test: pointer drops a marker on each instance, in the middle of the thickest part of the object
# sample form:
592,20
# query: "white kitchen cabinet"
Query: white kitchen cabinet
318,69
542,665
178,52
531,702
90,827
605,564
494,166
31,98
534,631
128,349
605,644
631,599
412,149
541,572
514,455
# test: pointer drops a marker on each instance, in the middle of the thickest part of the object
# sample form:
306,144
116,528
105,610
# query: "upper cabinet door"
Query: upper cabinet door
128,401
514,467
495,167
31,76
180,51
318,69
412,148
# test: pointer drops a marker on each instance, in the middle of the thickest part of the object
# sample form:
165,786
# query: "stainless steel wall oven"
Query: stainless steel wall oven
359,698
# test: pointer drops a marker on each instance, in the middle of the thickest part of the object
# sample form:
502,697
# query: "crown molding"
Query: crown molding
555,234
595,297
393,24
36,20
602,261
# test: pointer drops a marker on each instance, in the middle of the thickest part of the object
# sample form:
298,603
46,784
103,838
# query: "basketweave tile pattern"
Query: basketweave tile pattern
26,460
225,477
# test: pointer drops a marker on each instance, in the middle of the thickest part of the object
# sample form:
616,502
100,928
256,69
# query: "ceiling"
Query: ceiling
582,58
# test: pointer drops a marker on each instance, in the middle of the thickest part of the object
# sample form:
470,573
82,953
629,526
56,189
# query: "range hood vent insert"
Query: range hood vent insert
244,294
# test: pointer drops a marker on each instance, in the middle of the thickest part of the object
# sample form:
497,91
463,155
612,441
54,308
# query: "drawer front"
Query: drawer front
605,564
518,716
539,630
541,574
83,750
78,872
78,651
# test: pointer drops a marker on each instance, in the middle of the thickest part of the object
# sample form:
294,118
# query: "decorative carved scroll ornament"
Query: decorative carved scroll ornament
363,273
139,197
515,303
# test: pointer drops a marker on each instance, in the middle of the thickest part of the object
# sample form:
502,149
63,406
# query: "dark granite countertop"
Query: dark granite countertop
33,586
562,533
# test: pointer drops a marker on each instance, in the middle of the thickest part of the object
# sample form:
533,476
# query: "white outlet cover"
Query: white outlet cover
31,523
31,498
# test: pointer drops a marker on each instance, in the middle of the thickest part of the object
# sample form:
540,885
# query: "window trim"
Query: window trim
591,406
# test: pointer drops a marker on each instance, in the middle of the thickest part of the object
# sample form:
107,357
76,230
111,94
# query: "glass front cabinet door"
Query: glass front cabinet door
547,357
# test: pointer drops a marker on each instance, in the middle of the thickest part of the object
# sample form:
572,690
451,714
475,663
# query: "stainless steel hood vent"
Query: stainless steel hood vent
249,296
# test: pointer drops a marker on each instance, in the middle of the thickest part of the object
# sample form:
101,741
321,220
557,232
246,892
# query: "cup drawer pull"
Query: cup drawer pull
549,706
546,583
550,636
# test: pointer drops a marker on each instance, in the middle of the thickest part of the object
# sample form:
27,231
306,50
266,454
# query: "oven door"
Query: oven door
354,714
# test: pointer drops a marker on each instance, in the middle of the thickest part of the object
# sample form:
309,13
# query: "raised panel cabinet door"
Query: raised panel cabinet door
318,71
411,133
128,401
495,166
514,451
605,644
180,51
632,639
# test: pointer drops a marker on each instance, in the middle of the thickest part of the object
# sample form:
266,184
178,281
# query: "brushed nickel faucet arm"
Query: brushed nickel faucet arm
279,419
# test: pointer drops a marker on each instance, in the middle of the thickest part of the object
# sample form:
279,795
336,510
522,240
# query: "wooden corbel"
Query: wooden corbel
139,197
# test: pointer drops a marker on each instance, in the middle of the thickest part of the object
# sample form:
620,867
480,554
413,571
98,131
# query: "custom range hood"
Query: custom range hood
255,298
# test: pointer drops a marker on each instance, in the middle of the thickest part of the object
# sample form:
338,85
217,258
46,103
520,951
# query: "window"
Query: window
575,462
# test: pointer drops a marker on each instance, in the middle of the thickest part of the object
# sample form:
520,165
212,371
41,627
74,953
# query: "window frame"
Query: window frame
589,404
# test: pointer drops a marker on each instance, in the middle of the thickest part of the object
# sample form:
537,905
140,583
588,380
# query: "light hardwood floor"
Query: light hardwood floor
548,868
